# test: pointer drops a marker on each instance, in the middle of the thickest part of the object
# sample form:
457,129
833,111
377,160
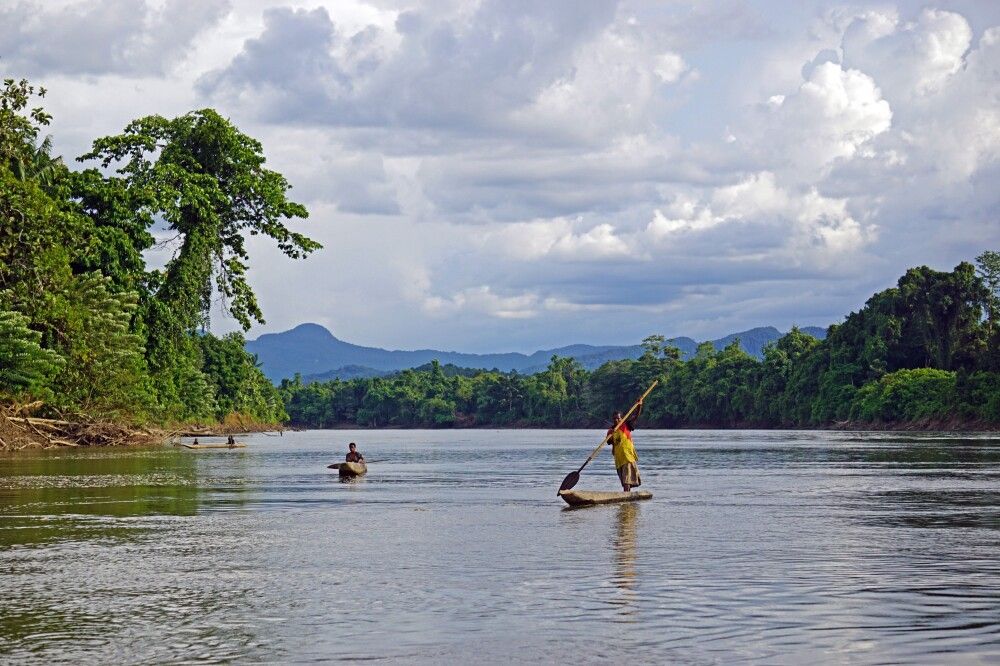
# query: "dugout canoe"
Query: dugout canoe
349,470
592,497
237,445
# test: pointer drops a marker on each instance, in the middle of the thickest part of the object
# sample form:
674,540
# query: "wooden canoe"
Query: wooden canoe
237,445
591,497
350,469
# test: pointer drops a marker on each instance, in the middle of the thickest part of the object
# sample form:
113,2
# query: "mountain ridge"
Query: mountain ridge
315,353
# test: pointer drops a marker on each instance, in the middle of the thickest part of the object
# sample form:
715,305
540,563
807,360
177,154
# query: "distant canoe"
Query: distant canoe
589,497
237,445
350,470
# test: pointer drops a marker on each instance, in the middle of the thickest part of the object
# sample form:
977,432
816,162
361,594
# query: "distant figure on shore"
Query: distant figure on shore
195,442
353,455
231,442
624,450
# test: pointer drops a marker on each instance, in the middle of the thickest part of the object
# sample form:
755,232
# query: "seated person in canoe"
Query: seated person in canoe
624,450
354,455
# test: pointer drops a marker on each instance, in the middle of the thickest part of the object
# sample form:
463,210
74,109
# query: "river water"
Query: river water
762,547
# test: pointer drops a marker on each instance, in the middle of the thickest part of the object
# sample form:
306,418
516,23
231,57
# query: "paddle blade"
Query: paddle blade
333,466
571,480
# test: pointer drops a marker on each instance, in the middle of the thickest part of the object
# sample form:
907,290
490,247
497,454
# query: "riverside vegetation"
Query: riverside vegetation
91,335
923,354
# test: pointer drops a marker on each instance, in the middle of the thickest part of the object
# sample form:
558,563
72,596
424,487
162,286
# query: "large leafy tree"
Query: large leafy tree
207,182
203,179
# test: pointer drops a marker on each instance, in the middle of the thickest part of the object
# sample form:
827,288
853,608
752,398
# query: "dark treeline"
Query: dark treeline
926,351
86,327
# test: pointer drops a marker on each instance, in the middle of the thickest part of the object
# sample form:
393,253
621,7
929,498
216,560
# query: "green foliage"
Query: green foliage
37,236
906,395
105,372
773,402
240,386
24,365
82,322
978,396
988,270
207,181
19,124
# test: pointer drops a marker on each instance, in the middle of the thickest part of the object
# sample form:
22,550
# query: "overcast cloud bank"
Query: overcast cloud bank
513,175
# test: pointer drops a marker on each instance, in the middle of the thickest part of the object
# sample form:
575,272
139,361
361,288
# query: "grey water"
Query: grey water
758,547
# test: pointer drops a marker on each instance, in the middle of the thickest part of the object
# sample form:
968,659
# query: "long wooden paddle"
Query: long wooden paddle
574,477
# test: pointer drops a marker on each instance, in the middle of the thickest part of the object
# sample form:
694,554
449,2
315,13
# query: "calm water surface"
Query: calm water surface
767,547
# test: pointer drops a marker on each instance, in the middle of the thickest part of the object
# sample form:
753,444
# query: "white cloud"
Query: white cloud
129,37
908,59
558,239
828,118
804,226
483,300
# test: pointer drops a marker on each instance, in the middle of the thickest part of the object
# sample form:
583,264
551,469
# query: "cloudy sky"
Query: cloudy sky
502,175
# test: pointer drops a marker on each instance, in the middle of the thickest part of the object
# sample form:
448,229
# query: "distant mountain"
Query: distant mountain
312,351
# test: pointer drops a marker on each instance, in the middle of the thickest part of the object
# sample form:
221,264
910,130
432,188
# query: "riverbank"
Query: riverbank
19,431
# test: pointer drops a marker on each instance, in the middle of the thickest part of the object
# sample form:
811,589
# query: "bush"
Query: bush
907,395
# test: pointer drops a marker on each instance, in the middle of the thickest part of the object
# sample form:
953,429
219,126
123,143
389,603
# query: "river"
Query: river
758,546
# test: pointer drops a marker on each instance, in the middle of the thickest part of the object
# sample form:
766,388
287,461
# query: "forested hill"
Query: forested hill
313,352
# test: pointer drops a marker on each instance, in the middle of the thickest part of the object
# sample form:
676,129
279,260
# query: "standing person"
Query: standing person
624,450
354,455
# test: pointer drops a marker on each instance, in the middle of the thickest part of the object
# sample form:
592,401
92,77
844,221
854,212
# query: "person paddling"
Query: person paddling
353,455
624,450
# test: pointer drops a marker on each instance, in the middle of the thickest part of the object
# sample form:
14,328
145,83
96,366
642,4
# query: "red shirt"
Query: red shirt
623,428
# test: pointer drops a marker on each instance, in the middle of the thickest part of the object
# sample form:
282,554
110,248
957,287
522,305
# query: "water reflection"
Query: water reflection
626,531
48,496
62,512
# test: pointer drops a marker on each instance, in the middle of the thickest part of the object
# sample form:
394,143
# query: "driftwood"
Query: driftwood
19,431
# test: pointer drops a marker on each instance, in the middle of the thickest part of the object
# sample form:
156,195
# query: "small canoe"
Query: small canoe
237,445
590,497
350,470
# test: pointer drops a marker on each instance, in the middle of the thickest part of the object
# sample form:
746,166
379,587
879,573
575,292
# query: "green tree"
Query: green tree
20,123
907,396
238,383
771,400
206,180
988,270
208,183
24,365
105,374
